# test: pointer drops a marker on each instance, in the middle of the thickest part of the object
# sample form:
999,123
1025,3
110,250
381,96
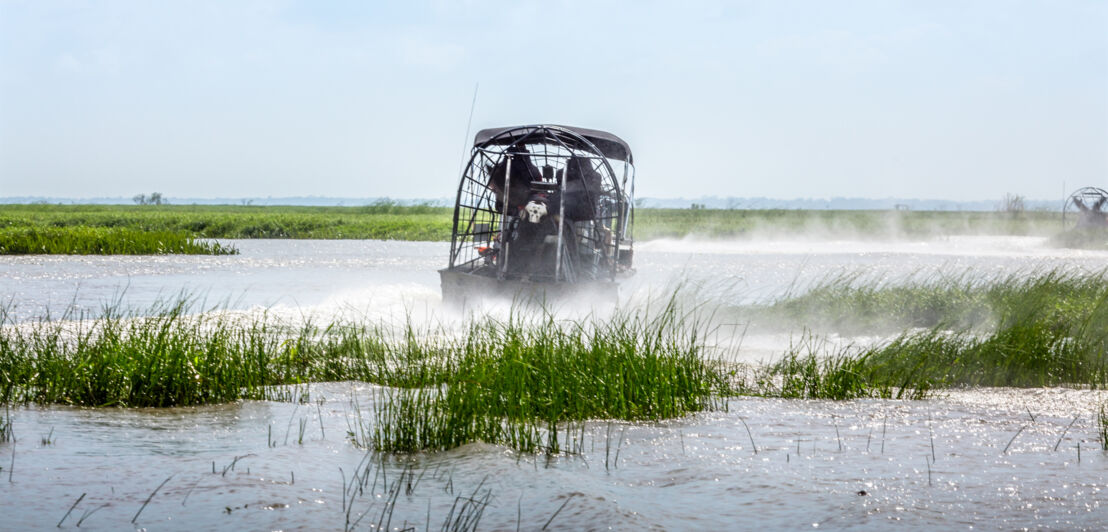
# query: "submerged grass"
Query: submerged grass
104,241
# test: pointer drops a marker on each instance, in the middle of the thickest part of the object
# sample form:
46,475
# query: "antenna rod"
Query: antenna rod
465,143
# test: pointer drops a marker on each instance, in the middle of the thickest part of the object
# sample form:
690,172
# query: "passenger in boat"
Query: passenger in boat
1091,216
530,254
582,190
523,173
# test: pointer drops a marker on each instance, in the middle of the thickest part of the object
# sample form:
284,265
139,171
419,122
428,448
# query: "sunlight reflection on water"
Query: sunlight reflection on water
866,464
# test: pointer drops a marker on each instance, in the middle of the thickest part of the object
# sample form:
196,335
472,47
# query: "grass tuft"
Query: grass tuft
521,383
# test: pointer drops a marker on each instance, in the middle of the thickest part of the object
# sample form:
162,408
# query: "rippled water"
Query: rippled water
992,459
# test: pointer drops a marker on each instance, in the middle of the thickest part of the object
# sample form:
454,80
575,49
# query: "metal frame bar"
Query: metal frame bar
614,209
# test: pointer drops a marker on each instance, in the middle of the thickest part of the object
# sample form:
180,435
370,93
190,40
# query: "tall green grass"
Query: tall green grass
509,383
515,383
854,303
1045,329
165,359
810,370
104,241
527,382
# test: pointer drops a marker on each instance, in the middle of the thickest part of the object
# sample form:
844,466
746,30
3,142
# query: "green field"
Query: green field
387,221
380,221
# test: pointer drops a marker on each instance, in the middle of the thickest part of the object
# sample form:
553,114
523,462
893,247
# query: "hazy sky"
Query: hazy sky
959,100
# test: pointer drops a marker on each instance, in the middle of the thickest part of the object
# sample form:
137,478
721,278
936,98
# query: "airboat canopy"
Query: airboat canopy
609,145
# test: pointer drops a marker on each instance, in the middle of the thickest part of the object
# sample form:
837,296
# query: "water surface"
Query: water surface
992,459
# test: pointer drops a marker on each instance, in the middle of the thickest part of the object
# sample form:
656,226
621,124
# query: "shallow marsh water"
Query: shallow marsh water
990,453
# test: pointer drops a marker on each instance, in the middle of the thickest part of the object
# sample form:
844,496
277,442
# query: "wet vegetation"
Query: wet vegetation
530,382
1046,329
509,382
515,383
77,240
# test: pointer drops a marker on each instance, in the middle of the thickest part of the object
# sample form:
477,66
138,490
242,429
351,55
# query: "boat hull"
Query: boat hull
461,288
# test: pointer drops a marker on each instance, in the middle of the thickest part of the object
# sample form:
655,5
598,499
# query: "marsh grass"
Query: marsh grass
166,358
527,383
104,241
854,303
383,220
1044,329
389,220
168,355
837,376
866,224
531,381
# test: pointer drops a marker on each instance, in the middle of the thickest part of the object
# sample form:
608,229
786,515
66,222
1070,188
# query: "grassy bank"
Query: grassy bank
1049,329
77,240
719,223
381,221
427,223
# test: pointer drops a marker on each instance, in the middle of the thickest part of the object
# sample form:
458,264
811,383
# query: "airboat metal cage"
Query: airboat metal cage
1088,206
543,203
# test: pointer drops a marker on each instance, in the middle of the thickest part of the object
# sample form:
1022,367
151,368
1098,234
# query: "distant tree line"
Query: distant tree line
155,198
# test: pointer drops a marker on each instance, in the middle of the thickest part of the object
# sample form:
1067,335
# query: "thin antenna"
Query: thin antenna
465,143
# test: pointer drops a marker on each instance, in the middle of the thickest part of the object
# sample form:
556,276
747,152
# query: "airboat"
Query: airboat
541,213
1089,207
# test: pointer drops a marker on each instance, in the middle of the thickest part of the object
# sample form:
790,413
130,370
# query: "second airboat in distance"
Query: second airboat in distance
542,212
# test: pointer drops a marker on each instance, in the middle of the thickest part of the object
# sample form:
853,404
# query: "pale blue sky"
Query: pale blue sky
960,100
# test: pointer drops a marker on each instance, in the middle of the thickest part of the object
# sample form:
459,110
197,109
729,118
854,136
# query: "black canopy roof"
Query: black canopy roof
609,145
